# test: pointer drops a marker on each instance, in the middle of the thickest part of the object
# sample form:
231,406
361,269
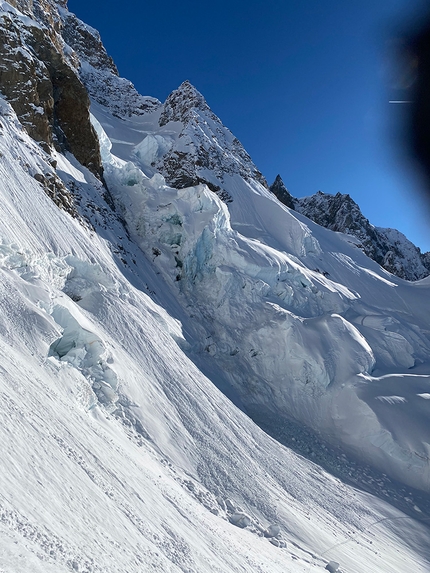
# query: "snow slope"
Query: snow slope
119,325
118,454
298,319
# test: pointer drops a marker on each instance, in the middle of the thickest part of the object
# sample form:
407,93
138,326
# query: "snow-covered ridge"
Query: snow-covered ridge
388,247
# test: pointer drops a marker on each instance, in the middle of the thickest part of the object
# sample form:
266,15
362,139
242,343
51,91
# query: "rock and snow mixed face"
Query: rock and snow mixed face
190,145
98,71
108,321
340,213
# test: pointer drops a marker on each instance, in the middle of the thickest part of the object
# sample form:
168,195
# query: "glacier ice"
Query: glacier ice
118,453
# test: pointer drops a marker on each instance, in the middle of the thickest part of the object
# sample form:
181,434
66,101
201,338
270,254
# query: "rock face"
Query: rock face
25,6
205,151
41,84
388,247
282,193
99,73
25,81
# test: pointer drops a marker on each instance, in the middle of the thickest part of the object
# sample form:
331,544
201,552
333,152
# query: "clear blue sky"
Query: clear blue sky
304,85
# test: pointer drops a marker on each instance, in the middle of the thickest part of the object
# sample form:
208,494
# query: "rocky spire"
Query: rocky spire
278,188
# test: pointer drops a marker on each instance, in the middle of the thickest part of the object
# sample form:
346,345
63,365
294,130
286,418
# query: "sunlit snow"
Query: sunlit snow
137,342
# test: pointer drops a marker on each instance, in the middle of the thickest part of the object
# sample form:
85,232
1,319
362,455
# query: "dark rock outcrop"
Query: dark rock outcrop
57,191
205,150
25,80
278,188
388,247
43,88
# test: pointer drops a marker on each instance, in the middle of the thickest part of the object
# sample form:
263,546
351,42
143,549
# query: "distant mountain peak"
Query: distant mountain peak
340,213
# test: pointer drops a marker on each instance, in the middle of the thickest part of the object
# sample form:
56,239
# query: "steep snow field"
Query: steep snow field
301,323
118,454
144,327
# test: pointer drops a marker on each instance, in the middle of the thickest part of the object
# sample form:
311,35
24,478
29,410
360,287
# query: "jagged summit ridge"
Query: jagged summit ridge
340,213
86,42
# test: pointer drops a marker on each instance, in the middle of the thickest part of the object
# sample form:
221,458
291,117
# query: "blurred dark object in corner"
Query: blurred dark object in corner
419,124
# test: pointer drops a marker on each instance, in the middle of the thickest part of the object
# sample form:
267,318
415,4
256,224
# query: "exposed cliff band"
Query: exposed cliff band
42,86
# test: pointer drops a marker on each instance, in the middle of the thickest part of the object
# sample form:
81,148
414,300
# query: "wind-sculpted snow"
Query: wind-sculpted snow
119,452
291,338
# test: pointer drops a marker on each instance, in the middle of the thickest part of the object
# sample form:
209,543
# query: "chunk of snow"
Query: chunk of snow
240,519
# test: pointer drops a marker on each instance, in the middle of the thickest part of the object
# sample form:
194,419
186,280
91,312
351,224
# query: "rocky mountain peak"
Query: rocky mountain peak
279,189
180,103
340,213
204,151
